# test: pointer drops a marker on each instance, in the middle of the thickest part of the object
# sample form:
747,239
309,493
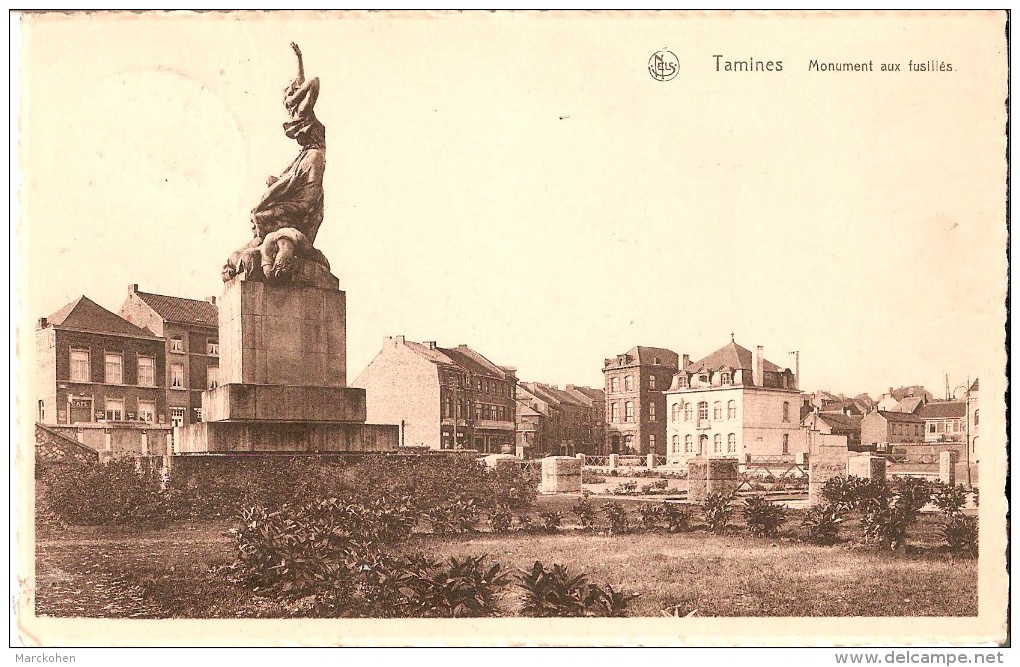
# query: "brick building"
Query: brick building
570,419
595,427
191,356
734,403
884,427
635,387
99,379
442,398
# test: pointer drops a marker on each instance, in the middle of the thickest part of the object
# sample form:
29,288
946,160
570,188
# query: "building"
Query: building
635,386
944,421
529,428
442,398
100,381
836,423
569,418
733,403
973,418
885,427
190,329
904,399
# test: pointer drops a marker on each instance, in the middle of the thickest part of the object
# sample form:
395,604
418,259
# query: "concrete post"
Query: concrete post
866,467
561,474
614,461
697,479
947,467
580,457
651,461
721,476
824,464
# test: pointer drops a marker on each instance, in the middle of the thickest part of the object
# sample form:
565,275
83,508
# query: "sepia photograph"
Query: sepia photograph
596,328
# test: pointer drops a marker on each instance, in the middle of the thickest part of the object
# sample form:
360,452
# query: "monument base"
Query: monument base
227,437
258,402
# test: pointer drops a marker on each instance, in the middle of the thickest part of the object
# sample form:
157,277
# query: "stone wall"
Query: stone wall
53,449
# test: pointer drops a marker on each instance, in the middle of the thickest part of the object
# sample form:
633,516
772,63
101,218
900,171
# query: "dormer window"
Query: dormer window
682,381
725,378
703,378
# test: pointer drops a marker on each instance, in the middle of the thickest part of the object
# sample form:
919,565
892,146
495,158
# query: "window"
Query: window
177,416
731,443
726,378
975,417
478,384
682,381
614,412
42,411
688,412
614,384
651,412
717,410
177,376
628,411
717,443
786,443
212,346
114,368
212,375
688,444
651,444
177,344
115,409
198,414
146,371
651,382
731,410
703,378
80,366
676,412
147,411
702,411
628,383
786,411
628,444
676,442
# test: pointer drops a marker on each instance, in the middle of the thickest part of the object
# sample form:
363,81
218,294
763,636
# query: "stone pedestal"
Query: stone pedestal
614,461
651,461
866,467
697,479
824,464
721,476
561,474
947,467
283,376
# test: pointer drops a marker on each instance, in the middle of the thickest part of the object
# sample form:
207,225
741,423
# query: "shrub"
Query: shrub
885,520
501,519
112,493
678,517
763,516
659,486
553,592
465,587
624,489
961,533
717,510
650,516
949,499
524,522
822,523
551,521
585,512
458,516
512,487
617,516
591,477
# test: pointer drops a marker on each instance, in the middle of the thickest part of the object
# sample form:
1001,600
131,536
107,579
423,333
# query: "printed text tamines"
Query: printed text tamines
746,65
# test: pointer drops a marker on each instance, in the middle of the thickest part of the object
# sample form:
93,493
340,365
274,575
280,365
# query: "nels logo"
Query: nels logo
663,65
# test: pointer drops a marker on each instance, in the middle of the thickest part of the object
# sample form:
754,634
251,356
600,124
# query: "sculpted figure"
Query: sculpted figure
287,217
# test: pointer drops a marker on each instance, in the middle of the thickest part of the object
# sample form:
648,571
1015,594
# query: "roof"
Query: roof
643,355
974,387
180,310
899,417
731,355
911,390
593,394
560,395
839,420
943,410
85,314
474,362
910,404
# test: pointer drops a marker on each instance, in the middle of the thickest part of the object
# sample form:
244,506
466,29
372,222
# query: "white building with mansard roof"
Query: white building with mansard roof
732,403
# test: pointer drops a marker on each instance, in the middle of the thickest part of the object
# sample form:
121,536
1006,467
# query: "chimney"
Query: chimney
386,340
210,299
686,361
399,340
132,289
41,324
758,366
430,344
570,387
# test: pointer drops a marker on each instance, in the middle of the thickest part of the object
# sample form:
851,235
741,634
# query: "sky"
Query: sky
520,183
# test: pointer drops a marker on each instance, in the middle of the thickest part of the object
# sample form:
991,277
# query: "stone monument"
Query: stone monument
282,322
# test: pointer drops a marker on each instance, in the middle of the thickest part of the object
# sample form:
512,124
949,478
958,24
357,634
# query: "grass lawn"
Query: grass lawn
170,572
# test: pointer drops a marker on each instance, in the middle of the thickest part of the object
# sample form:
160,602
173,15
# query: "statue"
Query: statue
288,216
